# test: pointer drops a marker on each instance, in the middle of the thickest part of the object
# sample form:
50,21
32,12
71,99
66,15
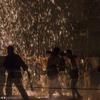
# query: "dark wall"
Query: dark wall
94,42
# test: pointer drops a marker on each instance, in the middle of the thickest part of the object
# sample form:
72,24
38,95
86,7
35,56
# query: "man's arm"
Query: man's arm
22,63
25,67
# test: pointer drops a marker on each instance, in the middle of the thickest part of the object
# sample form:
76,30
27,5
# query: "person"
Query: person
87,69
62,61
94,74
2,75
53,65
12,64
62,68
73,74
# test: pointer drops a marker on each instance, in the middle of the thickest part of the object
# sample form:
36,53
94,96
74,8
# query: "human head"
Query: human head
62,53
56,50
10,49
69,52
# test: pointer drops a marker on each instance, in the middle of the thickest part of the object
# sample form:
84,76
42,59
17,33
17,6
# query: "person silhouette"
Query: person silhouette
2,75
53,66
73,74
12,64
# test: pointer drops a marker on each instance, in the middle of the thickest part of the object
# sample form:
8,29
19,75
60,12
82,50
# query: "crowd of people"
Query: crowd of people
63,68
86,65
87,71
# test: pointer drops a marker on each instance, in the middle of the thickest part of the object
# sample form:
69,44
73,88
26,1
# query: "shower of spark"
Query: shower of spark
33,26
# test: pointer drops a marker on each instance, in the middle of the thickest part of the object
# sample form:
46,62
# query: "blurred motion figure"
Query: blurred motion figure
12,64
2,75
53,66
73,74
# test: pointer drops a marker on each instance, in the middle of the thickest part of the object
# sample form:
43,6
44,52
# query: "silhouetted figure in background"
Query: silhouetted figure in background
62,61
53,65
12,64
62,73
87,70
2,75
73,74
94,74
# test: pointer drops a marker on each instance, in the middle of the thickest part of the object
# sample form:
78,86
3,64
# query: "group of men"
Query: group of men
55,64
